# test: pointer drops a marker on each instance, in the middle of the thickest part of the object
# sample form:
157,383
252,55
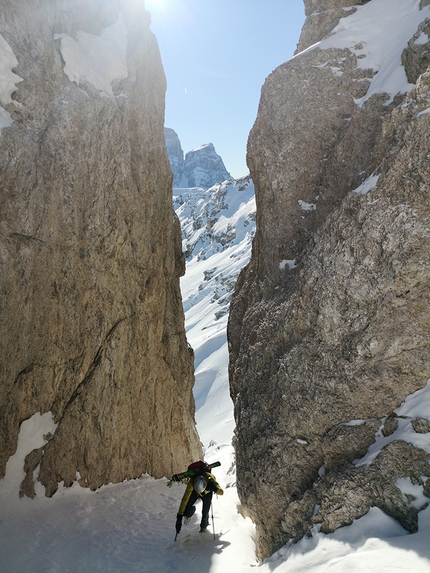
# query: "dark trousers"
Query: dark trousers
206,500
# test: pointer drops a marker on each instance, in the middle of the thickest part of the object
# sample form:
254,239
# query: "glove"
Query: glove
178,523
211,486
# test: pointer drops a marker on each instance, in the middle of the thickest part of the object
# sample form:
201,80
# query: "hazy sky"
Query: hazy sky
216,56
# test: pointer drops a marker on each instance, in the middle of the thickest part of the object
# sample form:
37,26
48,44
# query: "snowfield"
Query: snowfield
99,60
129,527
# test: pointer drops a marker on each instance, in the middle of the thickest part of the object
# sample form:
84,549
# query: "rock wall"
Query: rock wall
329,321
92,327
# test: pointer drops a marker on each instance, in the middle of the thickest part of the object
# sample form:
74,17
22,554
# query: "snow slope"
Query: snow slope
99,60
218,226
378,33
129,527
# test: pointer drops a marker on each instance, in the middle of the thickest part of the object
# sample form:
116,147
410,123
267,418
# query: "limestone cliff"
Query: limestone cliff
92,326
329,323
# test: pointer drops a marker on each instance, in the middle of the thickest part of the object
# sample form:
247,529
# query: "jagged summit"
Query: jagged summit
201,167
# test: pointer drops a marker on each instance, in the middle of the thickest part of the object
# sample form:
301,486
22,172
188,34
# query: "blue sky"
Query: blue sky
216,55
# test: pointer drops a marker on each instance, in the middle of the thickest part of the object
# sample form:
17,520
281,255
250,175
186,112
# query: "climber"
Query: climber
201,486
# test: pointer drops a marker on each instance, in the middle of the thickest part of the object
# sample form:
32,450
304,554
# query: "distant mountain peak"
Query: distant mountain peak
201,167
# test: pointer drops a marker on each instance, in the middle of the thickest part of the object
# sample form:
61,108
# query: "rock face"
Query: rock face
328,328
321,17
92,325
176,155
201,167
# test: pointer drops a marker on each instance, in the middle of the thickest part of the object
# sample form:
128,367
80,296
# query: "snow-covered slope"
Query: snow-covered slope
218,225
378,36
129,527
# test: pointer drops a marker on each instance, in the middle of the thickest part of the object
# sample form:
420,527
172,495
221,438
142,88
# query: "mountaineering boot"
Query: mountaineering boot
191,512
204,525
189,515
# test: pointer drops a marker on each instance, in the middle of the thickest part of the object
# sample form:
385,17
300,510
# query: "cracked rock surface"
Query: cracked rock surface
329,321
92,327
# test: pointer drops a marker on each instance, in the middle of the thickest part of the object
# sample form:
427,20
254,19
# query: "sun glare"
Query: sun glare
162,10
155,4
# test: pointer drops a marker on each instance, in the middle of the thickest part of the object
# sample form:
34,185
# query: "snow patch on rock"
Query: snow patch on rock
99,60
8,81
33,434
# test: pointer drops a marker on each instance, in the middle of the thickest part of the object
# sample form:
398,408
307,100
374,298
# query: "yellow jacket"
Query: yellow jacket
190,486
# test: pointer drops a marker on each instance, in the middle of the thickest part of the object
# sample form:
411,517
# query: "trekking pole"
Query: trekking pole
213,522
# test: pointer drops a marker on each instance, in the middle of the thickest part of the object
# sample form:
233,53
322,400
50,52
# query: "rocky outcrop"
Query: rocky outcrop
416,57
92,326
328,328
321,17
176,155
201,167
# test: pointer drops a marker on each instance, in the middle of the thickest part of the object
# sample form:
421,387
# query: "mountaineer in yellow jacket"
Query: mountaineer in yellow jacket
201,486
